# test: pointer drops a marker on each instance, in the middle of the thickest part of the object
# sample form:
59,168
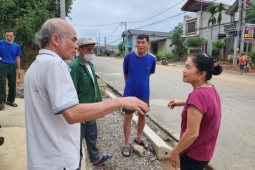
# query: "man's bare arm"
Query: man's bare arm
91,111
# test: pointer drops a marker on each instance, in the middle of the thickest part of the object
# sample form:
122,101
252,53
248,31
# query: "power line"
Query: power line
114,31
158,13
114,40
133,21
99,25
160,20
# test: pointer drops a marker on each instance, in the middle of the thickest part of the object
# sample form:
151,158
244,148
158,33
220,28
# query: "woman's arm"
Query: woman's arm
194,118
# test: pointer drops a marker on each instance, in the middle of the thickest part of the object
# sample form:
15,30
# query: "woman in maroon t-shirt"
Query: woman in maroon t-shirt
201,115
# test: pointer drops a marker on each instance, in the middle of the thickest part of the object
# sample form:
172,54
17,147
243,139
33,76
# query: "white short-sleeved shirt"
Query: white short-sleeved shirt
52,143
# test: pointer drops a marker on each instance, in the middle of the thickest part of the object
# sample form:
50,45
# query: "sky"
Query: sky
105,19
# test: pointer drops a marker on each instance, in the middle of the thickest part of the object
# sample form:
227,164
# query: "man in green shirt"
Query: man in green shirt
85,82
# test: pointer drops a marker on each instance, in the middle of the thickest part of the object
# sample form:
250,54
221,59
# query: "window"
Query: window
191,27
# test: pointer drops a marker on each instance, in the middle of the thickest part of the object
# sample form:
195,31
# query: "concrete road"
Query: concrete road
235,147
13,153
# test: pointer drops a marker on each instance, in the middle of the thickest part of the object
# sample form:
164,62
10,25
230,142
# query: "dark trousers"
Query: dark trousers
7,71
89,132
187,163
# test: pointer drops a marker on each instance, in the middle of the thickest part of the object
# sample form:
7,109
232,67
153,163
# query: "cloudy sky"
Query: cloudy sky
100,19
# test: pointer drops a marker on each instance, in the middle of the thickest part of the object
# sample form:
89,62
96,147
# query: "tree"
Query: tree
212,9
220,8
250,14
25,17
121,48
178,42
218,44
194,42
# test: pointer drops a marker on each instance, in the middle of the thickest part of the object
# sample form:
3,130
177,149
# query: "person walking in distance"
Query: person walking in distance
137,66
85,82
52,110
242,62
10,53
201,115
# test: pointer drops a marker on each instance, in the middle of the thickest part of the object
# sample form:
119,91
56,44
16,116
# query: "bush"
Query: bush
230,60
170,56
167,56
231,50
252,54
194,42
159,57
218,44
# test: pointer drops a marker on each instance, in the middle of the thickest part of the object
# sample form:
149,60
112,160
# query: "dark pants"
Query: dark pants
187,163
7,71
89,132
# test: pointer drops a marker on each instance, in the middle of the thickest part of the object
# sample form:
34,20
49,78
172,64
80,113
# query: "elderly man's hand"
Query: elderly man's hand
133,103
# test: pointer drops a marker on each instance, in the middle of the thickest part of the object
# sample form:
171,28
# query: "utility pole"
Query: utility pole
98,50
243,26
105,45
126,36
240,3
62,9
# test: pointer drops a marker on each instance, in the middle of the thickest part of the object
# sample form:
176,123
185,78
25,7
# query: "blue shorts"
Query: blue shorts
241,67
132,111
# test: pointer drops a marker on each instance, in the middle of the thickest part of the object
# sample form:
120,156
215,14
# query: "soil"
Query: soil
229,66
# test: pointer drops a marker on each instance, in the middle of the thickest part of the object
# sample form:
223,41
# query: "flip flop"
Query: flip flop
126,149
1,140
2,106
143,142
105,156
12,104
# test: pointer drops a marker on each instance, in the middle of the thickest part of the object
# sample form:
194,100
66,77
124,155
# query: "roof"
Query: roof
196,5
234,8
150,33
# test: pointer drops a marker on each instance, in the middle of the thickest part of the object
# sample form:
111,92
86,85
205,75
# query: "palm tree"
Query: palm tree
220,8
250,14
212,9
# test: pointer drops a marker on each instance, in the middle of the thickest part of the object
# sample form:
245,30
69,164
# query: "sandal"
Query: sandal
2,106
105,156
12,104
1,140
143,142
126,149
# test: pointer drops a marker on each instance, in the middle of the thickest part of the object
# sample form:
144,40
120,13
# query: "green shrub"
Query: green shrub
170,56
218,44
231,50
159,57
167,56
230,60
252,54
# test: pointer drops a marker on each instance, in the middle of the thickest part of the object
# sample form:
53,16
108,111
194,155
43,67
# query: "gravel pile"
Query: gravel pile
111,139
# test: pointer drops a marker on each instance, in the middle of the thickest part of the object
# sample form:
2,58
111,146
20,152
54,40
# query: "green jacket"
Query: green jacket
87,90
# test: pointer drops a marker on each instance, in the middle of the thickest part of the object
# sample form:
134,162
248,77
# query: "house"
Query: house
196,23
232,27
160,41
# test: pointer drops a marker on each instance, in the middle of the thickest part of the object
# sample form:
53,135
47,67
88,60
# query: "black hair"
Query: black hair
9,30
205,62
142,36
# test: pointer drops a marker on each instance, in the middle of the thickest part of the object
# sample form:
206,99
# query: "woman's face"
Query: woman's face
190,74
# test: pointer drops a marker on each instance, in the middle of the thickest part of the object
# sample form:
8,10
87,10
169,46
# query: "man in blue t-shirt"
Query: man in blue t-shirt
137,66
10,53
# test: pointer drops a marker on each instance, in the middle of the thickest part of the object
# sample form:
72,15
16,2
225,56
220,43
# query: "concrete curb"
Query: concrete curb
161,148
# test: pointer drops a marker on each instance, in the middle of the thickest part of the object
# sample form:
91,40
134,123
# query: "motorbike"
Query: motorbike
163,61
247,67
